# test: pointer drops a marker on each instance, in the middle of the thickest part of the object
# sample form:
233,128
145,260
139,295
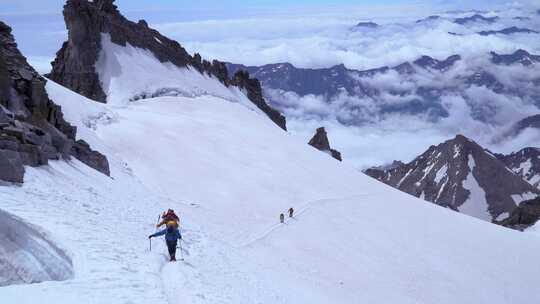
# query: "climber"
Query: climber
168,217
282,218
172,235
291,212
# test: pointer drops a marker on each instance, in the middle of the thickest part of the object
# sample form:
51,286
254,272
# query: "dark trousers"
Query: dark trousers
171,245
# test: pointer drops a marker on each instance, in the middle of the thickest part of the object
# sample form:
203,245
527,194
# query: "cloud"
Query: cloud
323,41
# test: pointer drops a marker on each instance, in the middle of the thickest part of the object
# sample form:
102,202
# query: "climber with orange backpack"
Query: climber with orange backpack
169,216
171,232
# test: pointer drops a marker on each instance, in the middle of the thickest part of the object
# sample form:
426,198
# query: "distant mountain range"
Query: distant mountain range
462,175
414,87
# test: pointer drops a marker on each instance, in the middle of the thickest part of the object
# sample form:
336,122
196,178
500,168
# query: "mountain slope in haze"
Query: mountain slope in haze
32,127
463,176
357,238
99,36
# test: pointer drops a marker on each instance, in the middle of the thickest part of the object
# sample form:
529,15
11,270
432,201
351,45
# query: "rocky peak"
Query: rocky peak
87,21
520,56
476,18
461,175
429,62
320,142
32,128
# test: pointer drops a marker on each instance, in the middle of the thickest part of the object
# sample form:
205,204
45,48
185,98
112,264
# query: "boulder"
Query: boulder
11,166
82,151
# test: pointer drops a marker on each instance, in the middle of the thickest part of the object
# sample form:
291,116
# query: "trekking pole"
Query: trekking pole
150,239
181,251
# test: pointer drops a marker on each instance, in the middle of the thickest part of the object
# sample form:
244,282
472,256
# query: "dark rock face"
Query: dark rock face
455,171
253,89
32,127
525,163
81,150
508,31
476,18
74,66
524,216
320,142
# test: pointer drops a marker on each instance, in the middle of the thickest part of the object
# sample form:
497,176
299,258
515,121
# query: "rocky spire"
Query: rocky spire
320,142
32,127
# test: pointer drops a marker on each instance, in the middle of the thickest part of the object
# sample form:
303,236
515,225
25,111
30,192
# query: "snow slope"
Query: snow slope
230,172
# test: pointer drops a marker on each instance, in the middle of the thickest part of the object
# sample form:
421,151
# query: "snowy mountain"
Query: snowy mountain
525,163
102,42
461,175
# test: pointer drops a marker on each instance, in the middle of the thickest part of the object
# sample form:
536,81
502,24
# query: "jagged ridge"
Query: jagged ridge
74,66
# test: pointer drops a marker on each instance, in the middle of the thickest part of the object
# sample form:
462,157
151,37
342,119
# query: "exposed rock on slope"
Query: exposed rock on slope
525,163
524,216
32,127
75,64
320,142
463,176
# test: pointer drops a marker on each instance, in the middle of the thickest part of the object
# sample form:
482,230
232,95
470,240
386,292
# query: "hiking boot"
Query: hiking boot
173,259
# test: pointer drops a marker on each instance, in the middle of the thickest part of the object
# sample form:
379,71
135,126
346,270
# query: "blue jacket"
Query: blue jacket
169,236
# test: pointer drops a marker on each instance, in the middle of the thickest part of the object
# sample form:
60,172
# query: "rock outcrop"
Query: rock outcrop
32,128
320,142
461,175
524,216
86,21
253,90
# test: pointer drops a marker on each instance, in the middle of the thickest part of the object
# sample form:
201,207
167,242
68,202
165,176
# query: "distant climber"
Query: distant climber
169,216
282,218
291,212
172,235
